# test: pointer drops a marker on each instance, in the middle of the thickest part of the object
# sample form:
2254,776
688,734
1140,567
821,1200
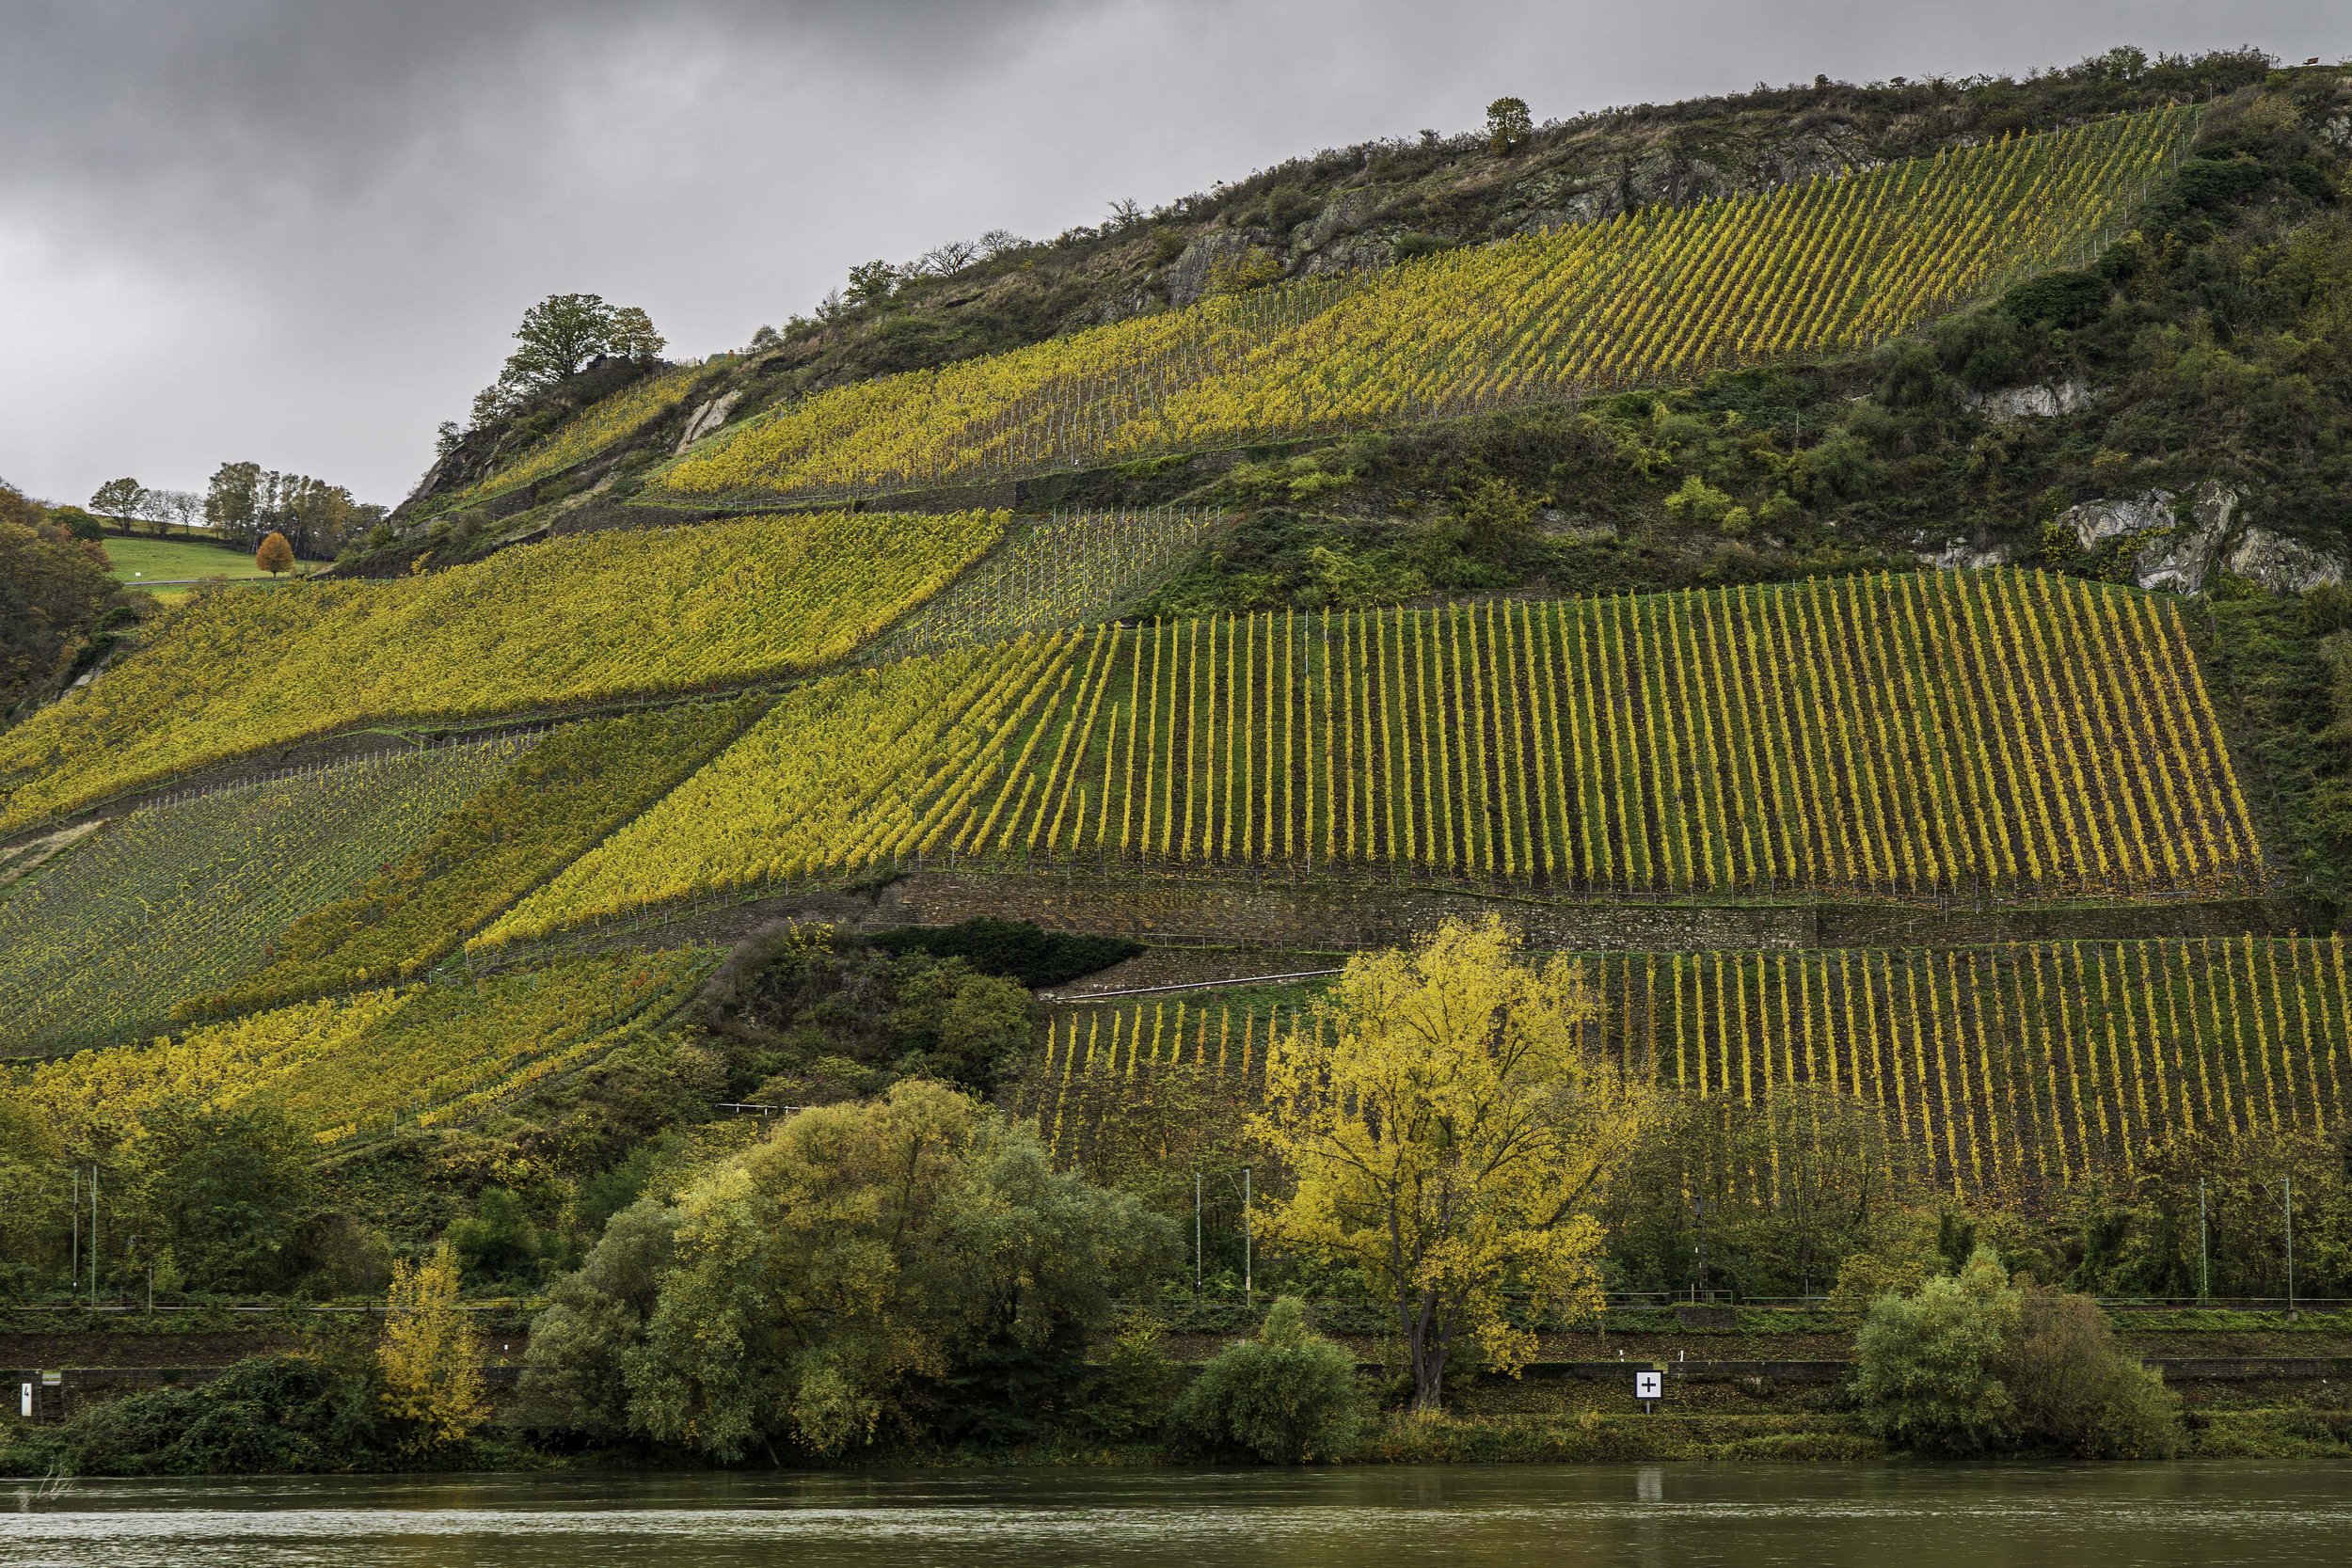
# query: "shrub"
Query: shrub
269,1414
1288,1397
2080,1393
1129,1391
1929,1365
1015,949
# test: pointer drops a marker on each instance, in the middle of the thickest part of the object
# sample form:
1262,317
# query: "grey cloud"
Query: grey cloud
299,230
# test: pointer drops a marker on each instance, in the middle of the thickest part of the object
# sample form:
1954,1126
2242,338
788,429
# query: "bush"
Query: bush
2078,1392
1015,949
1973,1365
1288,1397
1129,1391
1929,1365
272,1414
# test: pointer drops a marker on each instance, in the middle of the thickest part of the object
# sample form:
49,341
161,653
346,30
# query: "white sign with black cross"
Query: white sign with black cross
1649,1387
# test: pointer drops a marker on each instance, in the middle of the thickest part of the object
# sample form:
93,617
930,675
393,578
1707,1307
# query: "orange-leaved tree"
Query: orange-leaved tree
276,555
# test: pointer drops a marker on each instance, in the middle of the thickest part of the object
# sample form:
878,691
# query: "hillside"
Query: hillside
1858,572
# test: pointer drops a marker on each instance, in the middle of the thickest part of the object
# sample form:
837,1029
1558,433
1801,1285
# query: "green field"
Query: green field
143,561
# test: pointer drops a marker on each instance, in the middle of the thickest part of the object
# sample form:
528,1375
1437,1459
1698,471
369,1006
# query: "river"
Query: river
1670,1515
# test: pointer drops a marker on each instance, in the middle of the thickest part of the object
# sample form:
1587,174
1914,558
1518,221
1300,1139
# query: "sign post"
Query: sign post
1649,1387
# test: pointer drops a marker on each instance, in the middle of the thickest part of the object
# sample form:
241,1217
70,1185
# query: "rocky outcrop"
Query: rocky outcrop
1186,278
2179,535
1962,553
709,416
2045,401
2282,564
2181,543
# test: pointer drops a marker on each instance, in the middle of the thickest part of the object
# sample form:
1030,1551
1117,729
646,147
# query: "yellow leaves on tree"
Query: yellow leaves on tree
1449,1130
276,555
430,1359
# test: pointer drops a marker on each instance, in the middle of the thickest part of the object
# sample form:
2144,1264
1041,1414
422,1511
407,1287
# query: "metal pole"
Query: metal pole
2290,1206
93,1235
75,1278
2204,1261
1249,1273
1196,1233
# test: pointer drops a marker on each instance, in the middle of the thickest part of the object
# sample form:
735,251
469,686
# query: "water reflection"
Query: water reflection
1688,1516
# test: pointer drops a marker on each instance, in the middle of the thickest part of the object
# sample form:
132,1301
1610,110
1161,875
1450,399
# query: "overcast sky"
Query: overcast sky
300,232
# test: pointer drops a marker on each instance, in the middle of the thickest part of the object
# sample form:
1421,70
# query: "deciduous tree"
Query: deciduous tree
430,1357
1509,125
275,555
121,500
632,335
1449,1132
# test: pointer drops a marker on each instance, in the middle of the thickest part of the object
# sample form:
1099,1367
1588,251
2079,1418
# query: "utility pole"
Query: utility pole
1195,1232
1248,1275
74,1277
1698,1211
2289,1208
93,1235
2204,1261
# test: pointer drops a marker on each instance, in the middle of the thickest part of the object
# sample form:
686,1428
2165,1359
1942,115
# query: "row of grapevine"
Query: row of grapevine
188,896
1054,405
602,424
575,620
2012,1070
338,1069
1061,571
556,801
1655,295
2005,733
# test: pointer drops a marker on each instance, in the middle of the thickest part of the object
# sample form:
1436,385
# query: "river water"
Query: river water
1671,1516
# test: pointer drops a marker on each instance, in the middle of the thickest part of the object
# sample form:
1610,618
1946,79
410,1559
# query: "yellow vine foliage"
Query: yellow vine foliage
542,626
340,1069
1651,296
2008,1071
2002,734
585,434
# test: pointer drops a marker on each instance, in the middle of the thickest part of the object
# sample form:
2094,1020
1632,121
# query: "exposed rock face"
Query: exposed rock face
2181,534
1187,277
2279,564
2186,540
709,416
1961,553
2044,401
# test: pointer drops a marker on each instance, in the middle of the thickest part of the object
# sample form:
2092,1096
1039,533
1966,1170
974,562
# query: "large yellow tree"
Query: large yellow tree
1448,1127
429,1356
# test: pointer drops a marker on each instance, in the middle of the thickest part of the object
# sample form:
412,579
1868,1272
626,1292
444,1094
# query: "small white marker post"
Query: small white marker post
1649,1387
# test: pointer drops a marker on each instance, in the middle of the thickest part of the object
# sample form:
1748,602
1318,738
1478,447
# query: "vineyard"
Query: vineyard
554,804
2010,1070
2005,734
1827,266
571,621
420,1054
1062,570
186,896
600,425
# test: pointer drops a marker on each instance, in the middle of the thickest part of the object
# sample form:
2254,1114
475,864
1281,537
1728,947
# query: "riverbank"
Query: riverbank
1750,1385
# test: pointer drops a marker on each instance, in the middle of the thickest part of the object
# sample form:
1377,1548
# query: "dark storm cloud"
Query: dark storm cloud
299,230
